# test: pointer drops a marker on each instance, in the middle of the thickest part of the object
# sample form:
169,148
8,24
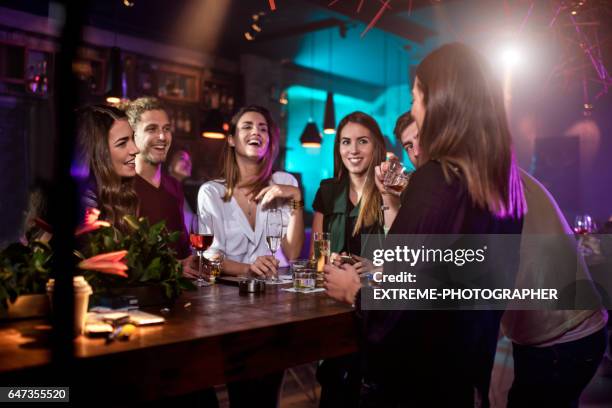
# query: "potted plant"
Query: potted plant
114,264
24,271
153,273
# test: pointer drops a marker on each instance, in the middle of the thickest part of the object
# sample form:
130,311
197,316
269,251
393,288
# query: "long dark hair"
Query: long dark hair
115,195
371,201
465,127
230,172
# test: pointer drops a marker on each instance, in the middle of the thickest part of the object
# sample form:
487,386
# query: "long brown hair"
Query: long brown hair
371,201
230,172
465,127
116,196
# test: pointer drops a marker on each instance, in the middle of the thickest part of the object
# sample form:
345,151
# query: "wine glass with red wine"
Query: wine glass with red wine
201,237
583,227
583,224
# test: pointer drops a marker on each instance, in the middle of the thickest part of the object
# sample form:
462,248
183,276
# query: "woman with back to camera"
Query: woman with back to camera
348,206
466,182
556,352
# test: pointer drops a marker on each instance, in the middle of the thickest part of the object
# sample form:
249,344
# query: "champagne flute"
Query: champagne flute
274,234
322,253
201,236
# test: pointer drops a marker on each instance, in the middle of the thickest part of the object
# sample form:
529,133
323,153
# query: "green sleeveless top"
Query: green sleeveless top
332,200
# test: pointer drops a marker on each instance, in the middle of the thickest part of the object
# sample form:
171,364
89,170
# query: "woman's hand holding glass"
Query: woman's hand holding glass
380,172
342,283
264,266
274,235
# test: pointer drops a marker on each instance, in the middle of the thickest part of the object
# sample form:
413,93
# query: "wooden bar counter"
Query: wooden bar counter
221,337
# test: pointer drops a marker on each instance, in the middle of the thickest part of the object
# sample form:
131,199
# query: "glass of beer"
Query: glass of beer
322,253
214,258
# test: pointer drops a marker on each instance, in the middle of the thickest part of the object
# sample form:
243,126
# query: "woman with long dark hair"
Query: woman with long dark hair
107,152
347,206
466,183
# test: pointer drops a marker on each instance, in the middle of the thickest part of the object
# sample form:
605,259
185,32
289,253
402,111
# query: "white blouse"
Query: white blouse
233,234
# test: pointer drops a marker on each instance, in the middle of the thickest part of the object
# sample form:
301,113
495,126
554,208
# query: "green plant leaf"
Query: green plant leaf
174,236
153,271
108,242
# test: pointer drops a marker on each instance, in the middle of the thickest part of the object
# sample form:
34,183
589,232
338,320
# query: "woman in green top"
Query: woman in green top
347,206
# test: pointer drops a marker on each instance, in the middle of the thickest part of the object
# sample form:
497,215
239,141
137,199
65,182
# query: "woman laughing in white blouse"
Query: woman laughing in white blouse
247,187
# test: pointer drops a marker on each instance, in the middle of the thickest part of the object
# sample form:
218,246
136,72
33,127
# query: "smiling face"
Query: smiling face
153,135
356,148
410,141
251,138
122,148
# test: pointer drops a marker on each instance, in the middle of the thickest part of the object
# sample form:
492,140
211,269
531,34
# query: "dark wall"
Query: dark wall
14,167
570,153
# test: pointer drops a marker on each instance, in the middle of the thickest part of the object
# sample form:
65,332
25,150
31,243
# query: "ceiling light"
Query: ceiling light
114,91
213,128
311,138
329,120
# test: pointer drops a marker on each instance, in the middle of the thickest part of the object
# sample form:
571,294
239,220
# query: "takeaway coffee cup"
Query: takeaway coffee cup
82,290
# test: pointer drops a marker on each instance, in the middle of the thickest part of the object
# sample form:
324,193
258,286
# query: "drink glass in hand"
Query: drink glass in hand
584,225
396,177
274,234
201,238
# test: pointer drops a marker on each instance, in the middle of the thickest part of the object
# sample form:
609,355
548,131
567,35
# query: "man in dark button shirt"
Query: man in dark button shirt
160,196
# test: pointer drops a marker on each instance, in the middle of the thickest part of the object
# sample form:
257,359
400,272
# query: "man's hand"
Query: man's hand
190,267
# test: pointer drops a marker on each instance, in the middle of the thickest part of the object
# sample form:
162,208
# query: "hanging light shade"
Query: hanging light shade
113,83
329,120
311,138
212,128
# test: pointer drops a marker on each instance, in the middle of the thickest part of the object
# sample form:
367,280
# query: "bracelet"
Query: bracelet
296,205
384,207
